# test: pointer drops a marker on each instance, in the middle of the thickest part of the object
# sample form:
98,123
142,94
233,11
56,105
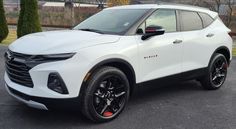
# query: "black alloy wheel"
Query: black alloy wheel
219,72
216,74
105,94
109,97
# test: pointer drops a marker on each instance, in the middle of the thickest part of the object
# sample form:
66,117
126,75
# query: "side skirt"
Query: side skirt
189,75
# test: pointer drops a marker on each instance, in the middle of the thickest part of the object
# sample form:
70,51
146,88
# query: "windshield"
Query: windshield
112,21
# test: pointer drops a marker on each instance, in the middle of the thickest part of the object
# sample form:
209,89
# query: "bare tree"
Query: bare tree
207,4
230,4
227,10
216,5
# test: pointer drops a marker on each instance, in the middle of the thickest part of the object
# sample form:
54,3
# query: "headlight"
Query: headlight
52,57
38,59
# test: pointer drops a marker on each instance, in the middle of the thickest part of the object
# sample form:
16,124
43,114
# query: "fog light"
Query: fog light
56,83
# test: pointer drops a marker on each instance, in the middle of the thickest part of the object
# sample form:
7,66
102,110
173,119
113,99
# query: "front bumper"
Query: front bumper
43,103
22,98
71,72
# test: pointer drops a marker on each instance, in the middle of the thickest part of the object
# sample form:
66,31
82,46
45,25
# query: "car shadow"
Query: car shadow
154,90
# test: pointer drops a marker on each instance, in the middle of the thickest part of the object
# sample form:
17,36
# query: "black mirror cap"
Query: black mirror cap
151,31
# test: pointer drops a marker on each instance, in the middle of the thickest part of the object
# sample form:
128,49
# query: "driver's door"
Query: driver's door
160,56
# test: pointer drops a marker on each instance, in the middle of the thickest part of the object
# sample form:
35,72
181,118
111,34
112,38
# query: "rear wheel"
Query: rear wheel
105,95
217,73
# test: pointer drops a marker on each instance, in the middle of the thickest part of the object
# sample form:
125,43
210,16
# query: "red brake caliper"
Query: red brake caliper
225,66
107,114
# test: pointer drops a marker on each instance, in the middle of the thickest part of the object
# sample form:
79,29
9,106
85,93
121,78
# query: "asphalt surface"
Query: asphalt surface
179,106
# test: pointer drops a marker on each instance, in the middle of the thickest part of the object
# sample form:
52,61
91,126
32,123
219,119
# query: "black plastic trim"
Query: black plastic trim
133,29
189,75
75,102
204,26
221,48
50,103
132,81
34,60
115,60
180,18
63,85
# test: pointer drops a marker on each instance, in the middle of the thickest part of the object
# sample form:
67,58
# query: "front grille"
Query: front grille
17,70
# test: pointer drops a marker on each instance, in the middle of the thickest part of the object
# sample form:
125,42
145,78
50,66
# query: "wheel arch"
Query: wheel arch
224,51
121,64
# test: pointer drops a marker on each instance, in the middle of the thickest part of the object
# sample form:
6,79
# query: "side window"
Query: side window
207,20
164,18
190,21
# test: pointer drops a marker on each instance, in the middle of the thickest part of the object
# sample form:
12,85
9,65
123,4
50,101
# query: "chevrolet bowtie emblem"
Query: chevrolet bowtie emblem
8,56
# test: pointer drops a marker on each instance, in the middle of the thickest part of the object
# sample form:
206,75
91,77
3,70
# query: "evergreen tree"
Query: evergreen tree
20,20
3,23
29,19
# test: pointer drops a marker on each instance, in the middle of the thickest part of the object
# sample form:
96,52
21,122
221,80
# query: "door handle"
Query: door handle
209,35
177,41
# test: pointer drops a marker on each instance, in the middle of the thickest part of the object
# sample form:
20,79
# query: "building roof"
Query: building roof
62,4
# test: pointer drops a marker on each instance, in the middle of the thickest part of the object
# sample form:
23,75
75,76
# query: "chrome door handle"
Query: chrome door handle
209,35
177,41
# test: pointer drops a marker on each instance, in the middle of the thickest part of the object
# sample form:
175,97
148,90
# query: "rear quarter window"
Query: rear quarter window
206,19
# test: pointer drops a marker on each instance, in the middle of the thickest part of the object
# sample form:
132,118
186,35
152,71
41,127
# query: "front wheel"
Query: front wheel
105,95
217,72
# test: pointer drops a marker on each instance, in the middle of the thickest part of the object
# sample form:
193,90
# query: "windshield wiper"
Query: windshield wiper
92,30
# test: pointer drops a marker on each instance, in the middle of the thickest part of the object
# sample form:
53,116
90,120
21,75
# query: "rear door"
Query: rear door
197,39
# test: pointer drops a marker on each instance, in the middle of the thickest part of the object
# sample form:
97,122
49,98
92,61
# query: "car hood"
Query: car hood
65,41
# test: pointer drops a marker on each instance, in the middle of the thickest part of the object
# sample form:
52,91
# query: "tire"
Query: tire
105,94
216,73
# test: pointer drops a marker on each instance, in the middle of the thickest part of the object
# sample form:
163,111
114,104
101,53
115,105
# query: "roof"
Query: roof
167,6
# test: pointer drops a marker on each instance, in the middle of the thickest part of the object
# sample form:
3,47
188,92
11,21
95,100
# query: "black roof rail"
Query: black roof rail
178,4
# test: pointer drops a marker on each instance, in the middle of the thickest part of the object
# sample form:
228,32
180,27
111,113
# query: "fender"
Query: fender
121,64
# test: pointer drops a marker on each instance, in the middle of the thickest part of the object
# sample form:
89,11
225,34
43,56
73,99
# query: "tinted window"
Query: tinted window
164,18
190,21
207,20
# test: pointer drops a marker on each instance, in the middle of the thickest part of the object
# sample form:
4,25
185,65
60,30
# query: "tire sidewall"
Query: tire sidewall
92,86
214,59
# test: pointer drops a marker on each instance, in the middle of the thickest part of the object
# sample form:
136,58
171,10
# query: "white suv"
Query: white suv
96,65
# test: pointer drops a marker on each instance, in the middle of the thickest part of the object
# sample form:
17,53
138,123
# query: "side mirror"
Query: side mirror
151,31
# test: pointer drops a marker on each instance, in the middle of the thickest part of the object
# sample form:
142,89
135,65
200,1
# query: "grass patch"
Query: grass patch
234,51
10,38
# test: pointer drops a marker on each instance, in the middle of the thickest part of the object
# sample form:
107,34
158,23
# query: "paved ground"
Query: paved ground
177,106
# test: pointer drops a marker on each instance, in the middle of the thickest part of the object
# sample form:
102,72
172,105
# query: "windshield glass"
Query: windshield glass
112,21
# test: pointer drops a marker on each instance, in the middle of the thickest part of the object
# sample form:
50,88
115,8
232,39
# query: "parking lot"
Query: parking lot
178,106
